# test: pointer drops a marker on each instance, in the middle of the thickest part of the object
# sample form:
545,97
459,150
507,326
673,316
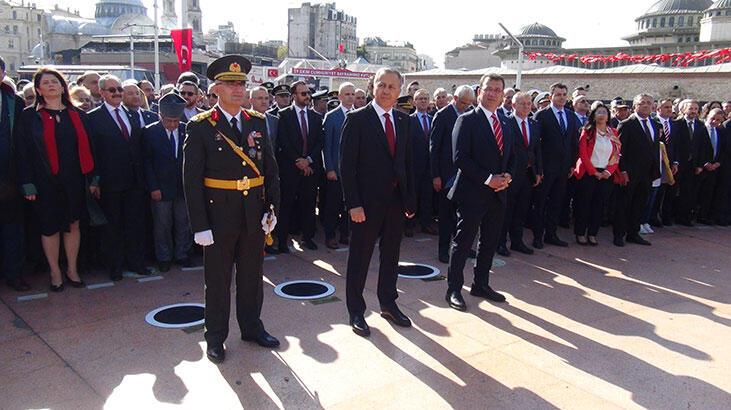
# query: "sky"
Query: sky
432,30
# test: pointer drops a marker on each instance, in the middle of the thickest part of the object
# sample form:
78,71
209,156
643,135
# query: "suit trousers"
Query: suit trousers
548,201
519,201
568,208
688,184
447,222
124,233
385,224
591,198
668,202
424,194
299,197
630,204
488,219
245,252
711,195
335,216
171,229
12,251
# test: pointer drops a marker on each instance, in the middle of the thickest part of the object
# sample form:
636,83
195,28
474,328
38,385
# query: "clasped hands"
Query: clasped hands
304,165
499,182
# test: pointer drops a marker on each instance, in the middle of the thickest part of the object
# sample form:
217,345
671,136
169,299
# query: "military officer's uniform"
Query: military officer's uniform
231,181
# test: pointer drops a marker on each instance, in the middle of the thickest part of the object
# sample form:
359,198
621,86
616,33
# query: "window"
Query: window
39,18
12,66
15,29
680,39
11,43
671,22
681,21
654,23
542,42
662,22
690,20
15,15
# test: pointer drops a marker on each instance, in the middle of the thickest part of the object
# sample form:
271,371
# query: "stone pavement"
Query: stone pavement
600,327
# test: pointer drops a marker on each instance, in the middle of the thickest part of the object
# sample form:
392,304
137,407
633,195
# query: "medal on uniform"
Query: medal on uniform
252,152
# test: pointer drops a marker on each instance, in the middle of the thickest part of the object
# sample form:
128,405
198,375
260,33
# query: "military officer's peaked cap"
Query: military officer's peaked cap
282,89
320,95
268,85
405,102
229,68
171,105
333,94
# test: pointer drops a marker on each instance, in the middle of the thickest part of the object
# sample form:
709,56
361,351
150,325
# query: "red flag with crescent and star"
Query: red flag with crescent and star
183,43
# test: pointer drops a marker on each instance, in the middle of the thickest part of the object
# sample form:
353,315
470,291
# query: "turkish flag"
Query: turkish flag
183,43
272,72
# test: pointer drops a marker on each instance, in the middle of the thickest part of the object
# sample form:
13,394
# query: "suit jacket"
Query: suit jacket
421,145
559,150
689,150
119,162
640,157
368,171
186,119
707,147
163,171
272,124
207,155
477,157
530,156
290,143
670,140
11,202
149,117
440,145
332,130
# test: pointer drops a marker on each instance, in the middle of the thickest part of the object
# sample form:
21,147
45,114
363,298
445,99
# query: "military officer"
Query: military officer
232,189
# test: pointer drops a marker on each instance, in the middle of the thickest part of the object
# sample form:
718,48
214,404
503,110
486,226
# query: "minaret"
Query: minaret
169,19
194,19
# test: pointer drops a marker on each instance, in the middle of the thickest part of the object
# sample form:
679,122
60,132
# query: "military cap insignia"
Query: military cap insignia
234,68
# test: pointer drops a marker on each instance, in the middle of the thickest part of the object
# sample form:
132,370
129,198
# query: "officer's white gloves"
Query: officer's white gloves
204,238
268,222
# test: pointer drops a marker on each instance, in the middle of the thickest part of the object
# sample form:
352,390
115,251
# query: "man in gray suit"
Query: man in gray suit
334,211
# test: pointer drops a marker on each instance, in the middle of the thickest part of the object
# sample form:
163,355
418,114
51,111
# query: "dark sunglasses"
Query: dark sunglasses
187,93
212,95
115,89
304,93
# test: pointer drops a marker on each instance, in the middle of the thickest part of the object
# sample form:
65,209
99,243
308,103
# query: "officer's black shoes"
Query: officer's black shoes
637,239
456,301
115,276
618,241
332,243
216,353
444,257
309,244
144,271
270,250
537,243
487,293
520,247
359,325
555,241
502,250
395,316
164,266
263,339
284,248
184,263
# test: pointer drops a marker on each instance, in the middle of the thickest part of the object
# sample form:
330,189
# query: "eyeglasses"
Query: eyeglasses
187,93
212,95
115,89
304,93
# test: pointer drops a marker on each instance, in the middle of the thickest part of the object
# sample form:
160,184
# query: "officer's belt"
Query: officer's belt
244,184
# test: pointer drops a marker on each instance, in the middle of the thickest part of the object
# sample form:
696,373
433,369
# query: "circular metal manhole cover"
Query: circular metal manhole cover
410,270
304,289
177,316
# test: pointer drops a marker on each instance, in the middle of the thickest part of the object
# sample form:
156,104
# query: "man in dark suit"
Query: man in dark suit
668,195
421,124
118,145
688,151
335,215
189,91
12,236
299,155
640,164
712,190
443,171
282,99
376,165
528,174
559,130
485,161
132,101
163,145
231,194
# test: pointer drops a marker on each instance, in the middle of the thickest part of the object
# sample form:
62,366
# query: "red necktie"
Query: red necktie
497,130
303,127
425,126
525,134
390,135
122,125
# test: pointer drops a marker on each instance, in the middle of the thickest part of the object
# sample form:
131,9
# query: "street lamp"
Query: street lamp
519,74
132,48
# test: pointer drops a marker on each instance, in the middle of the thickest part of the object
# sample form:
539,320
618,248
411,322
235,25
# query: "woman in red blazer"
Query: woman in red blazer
599,149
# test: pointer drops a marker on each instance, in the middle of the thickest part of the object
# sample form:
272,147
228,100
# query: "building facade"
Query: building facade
399,55
21,28
325,29
478,54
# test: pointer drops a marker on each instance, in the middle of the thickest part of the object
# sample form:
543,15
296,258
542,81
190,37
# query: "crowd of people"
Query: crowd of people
94,167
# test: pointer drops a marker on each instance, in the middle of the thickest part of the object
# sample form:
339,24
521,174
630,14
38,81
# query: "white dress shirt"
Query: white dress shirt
229,116
520,122
380,111
489,115
122,113
602,150
297,111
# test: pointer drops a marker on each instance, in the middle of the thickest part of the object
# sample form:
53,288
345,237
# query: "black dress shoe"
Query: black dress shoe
145,271
637,239
309,244
344,240
429,230
262,338
359,325
270,250
394,315
618,241
667,222
705,221
444,257
115,276
553,240
456,301
472,254
409,232
284,249
184,263
502,250
18,284
537,243
332,243
74,283
216,354
487,293
522,248
685,223
164,266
